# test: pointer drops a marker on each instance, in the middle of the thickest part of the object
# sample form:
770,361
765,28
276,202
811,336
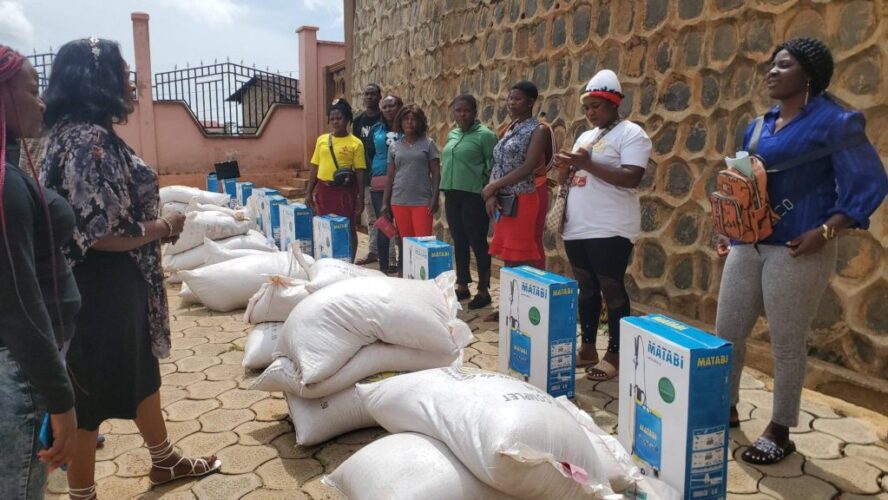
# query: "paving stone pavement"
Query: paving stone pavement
210,409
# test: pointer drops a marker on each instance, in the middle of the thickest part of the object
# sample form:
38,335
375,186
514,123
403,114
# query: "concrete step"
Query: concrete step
303,174
299,182
288,191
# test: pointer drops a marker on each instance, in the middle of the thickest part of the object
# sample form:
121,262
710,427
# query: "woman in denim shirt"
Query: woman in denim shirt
382,136
786,274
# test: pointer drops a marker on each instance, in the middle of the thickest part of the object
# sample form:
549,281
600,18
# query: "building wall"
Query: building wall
693,74
185,154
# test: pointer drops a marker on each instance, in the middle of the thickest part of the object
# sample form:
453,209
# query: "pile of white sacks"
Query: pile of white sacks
345,330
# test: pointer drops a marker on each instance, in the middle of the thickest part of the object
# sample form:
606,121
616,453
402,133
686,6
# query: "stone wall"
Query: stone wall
693,74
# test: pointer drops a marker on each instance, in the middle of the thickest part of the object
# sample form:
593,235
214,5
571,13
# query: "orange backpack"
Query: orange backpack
740,206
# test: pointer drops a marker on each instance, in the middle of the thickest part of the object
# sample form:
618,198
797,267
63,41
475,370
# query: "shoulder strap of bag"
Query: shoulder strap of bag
756,135
332,152
815,155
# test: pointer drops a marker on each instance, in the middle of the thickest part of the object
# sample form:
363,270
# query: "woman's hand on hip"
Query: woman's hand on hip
809,242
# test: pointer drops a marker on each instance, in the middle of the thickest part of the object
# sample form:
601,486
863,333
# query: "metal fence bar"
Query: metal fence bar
226,98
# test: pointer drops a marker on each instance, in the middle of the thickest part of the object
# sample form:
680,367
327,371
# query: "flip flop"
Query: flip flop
764,451
608,370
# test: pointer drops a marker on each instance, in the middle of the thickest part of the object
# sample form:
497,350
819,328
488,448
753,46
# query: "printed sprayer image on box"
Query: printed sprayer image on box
538,329
674,401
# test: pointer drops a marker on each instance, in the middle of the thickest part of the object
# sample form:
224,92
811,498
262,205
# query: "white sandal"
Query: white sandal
165,450
88,493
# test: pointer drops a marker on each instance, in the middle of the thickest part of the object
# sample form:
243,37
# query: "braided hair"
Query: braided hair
814,57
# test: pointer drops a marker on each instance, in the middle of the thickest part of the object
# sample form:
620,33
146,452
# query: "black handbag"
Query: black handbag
342,176
508,204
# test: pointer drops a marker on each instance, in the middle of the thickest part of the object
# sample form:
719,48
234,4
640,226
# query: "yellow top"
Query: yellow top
349,154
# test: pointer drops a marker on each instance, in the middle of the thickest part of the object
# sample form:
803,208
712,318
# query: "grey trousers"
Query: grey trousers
371,219
765,278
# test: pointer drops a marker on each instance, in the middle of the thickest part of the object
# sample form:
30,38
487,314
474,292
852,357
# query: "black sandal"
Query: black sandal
479,301
765,451
462,295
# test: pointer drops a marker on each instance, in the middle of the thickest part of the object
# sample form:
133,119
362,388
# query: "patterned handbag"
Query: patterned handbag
558,213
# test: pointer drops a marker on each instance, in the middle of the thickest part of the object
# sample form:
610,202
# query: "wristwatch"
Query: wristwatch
828,232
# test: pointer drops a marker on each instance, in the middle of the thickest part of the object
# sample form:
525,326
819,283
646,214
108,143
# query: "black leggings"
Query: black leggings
468,221
599,265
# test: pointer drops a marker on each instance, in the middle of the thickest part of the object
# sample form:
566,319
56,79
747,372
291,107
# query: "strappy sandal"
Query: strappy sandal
764,451
602,371
165,450
88,493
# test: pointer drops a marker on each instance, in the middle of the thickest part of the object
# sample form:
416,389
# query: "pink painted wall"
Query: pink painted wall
167,135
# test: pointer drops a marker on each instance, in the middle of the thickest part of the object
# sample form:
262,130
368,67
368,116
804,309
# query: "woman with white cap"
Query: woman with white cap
603,215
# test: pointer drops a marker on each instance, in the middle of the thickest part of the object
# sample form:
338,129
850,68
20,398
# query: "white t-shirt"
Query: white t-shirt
595,208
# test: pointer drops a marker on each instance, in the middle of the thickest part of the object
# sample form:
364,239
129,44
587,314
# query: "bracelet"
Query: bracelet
169,227
828,232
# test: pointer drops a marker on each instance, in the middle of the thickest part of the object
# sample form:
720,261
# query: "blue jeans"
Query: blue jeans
22,475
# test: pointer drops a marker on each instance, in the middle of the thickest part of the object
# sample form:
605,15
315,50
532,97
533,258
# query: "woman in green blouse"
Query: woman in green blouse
465,169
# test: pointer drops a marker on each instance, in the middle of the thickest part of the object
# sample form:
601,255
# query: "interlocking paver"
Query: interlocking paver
190,409
848,474
240,398
135,463
224,420
256,433
170,395
121,487
210,349
818,445
182,379
225,372
276,495
808,487
743,478
850,430
196,364
287,447
286,474
270,409
876,456
218,486
118,444
209,389
178,430
202,444
239,459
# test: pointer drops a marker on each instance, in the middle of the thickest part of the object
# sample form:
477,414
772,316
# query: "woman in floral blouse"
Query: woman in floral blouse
123,327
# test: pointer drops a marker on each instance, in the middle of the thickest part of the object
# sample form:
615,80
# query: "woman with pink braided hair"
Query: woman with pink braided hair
38,298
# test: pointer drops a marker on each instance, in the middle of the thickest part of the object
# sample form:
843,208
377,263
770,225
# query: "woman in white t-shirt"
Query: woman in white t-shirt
603,216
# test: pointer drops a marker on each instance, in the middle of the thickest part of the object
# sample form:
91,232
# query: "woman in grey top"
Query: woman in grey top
414,175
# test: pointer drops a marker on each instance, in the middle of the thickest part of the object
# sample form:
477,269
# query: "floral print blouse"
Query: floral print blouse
510,153
111,191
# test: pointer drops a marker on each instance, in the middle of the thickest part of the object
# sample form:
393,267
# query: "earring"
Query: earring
807,92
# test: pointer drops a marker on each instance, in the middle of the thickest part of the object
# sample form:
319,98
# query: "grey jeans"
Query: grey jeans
21,473
371,219
765,278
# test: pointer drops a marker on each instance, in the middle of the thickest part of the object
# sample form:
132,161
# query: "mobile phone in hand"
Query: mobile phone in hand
45,435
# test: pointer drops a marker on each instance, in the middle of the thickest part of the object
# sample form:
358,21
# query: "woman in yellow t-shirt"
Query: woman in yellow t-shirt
337,170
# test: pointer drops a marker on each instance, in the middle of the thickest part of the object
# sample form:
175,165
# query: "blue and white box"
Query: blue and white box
675,386
212,182
332,237
538,328
243,191
272,217
262,195
425,257
296,225
229,187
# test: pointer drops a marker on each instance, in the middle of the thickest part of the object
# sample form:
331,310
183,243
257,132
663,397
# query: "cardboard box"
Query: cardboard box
229,187
296,225
262,195
272,216
674,403
538,328
332,237
212,182
243,191
425,258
